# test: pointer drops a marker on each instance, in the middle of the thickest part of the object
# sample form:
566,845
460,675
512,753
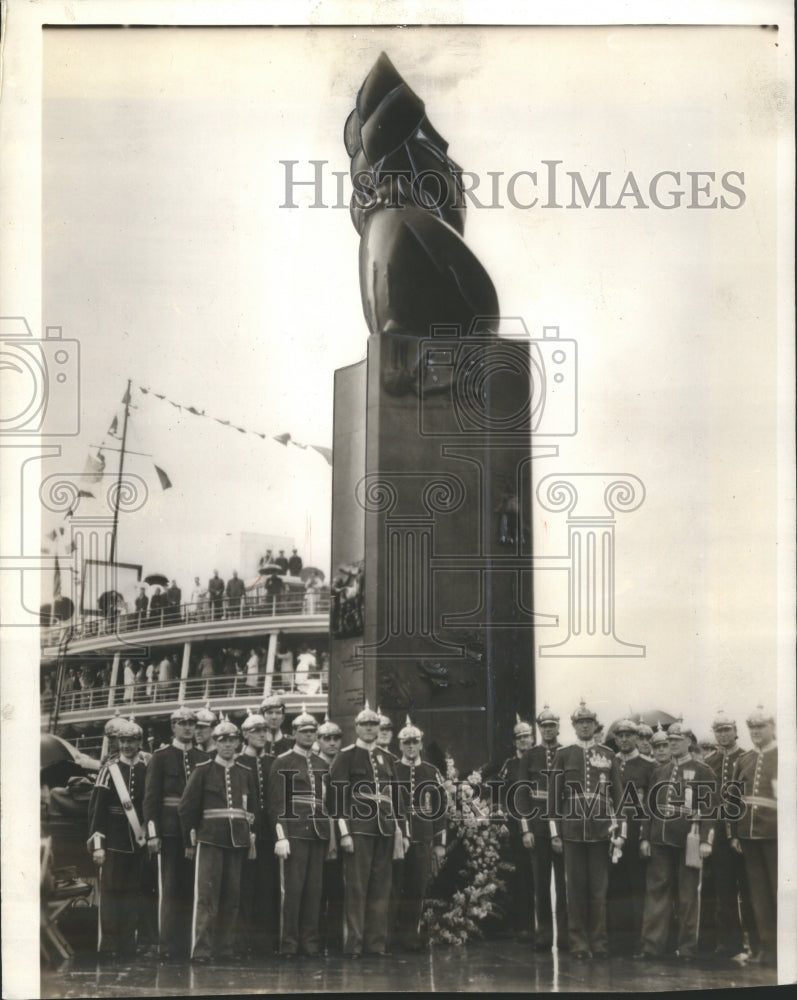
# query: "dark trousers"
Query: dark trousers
218,891
668,872
300,895
367,878
626,899
733,907
411,876
331,925
120,887
148,902
176,897
521,888
761,864
259,913
587,877
543,860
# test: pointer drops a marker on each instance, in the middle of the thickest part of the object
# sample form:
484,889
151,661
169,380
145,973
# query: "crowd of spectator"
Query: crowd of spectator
214,672
279,587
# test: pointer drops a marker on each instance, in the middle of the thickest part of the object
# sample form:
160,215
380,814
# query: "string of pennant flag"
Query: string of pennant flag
95,464
283,439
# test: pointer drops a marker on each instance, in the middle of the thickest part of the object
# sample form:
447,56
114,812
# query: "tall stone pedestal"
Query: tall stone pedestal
432,492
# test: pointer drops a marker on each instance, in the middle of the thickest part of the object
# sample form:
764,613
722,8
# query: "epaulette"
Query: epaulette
163,746
285,753
351,746
101,781
201,763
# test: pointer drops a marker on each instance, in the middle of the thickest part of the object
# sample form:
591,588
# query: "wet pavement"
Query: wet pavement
482,967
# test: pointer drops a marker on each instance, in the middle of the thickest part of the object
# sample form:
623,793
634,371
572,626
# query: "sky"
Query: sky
168,253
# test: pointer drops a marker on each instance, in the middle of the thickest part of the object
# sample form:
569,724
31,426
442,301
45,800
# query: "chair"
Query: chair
60,889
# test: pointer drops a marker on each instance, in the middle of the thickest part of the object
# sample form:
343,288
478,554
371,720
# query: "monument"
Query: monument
431,529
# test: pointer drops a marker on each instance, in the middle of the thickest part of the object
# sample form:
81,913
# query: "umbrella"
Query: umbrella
109,601
307,572
159,578
53,750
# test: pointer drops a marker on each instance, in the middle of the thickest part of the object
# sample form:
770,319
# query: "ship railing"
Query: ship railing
254,605
140,697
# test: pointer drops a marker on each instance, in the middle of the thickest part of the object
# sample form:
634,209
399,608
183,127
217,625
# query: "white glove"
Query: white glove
282,849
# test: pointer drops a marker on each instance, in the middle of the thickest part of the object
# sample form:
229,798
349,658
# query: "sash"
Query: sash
127,805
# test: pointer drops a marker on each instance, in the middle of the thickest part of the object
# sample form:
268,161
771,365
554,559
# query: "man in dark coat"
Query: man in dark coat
628,870
362,777
216,595
584,797
515,797
539,762
219,814
167,774
682,805
303,835
116,840
755,833
258,916
731,892
423,801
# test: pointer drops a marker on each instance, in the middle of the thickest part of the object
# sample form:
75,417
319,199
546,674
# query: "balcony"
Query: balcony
226,694
309,611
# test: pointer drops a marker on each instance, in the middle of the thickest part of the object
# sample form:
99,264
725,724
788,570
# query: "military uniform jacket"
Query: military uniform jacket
260,766
634,771
723,763
167,774
533,798
757,774
360,796
219,805
423,801
296,793
279,745
585,793
106,815
689,787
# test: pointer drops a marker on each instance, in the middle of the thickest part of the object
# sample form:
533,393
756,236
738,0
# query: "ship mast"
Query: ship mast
126,401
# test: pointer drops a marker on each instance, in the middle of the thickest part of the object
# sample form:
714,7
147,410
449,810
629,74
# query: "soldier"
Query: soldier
755,833
584,799
110,738
515,797
539,761
330,737
272,708
258,916
681,805
730,884
423,802
167,774
660,747
303,834
362,776
219,815
385,735
628,870
206,721
117,839
644,735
